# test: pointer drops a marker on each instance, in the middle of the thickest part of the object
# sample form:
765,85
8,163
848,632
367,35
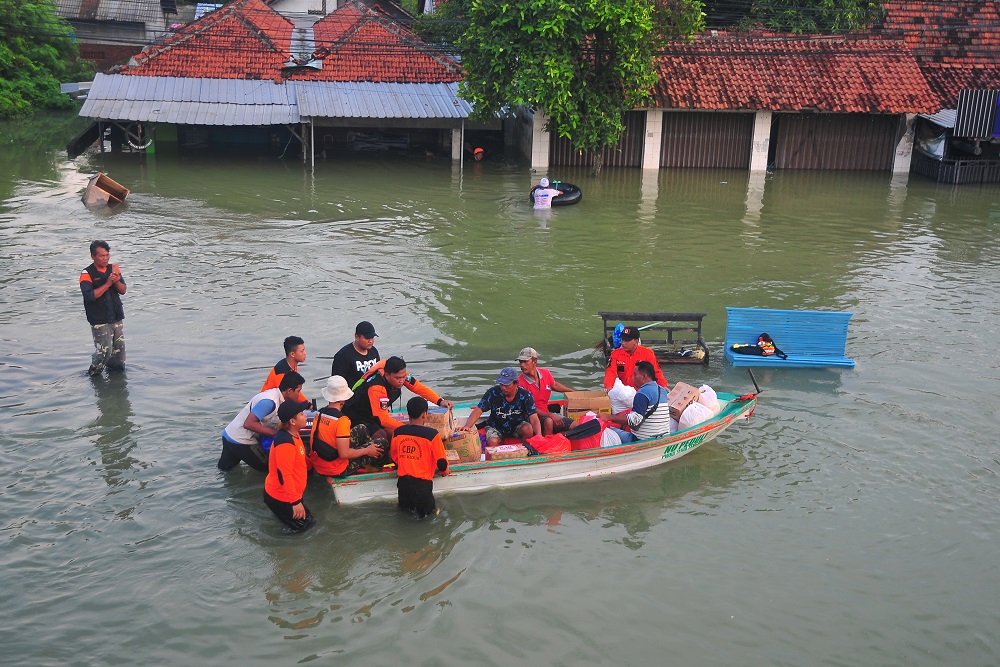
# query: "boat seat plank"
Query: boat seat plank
810,338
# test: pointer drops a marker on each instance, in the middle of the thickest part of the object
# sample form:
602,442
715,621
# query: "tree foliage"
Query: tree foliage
37,52
795,16
585,63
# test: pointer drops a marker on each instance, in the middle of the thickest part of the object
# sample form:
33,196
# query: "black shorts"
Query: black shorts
416,495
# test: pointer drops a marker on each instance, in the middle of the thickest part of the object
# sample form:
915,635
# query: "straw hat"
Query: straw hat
336,389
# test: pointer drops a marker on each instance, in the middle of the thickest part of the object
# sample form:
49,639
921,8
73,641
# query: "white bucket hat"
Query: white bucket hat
336,389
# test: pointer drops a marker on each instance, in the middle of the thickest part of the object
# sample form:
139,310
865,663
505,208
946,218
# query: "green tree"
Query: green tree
37,52
795,16
585,63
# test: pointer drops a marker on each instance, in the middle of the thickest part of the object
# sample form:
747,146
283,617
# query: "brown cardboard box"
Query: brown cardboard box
681,395
442,420
579,403
452,456
501,452
468,446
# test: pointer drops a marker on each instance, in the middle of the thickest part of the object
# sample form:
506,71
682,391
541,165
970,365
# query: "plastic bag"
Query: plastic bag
550,444
610,438
693,415
592,441
621,397
709,399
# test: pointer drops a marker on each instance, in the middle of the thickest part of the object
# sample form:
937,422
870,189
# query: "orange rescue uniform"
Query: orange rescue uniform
328,425
287,471
417,451
622,365
274,378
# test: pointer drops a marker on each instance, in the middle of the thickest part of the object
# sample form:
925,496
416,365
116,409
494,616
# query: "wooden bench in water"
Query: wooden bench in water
674,337
810,338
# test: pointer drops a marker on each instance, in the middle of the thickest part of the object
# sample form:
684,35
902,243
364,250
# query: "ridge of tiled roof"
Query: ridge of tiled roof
360,43
244,39
955,42
854,74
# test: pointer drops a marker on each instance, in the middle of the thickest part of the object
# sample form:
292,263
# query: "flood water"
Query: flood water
851,522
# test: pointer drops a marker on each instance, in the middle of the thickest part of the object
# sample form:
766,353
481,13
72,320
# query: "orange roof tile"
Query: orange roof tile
789,73
955,42
245,39
357,43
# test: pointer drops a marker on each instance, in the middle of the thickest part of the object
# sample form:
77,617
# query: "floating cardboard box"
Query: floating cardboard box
102,191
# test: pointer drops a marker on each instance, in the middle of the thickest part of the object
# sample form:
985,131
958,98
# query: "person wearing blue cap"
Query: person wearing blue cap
511,408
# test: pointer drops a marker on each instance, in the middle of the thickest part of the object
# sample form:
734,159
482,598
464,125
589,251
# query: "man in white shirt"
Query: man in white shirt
544,194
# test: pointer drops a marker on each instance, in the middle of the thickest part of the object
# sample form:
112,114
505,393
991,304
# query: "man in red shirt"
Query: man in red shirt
623,359
540,384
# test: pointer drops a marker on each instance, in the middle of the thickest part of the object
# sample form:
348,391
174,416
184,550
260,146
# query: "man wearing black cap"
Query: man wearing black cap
357,358
622,362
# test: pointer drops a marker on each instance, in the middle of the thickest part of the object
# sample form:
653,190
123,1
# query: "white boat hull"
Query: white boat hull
546,468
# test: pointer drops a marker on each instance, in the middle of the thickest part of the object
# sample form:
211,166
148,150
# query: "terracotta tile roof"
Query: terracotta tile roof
788,73
245,39
357,43
956,43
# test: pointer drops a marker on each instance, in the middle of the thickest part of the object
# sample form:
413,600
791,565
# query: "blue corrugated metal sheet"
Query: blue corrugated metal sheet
241,102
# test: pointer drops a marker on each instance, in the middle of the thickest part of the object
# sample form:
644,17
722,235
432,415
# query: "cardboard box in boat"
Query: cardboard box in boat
681,395
502,452
452,456
579,403
468,446
101,190
442,420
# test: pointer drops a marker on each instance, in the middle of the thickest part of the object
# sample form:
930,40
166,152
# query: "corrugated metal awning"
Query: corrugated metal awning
944,118
190,101
364,99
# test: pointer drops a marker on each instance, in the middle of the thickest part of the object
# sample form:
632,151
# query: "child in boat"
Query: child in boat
419,453
287,470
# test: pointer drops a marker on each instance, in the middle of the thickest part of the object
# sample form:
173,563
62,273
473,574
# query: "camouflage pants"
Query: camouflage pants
359,440
109,347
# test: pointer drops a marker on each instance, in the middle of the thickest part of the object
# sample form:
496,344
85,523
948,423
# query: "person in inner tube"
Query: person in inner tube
544,194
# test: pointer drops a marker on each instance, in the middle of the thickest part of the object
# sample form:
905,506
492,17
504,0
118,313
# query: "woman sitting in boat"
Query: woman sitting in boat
650,415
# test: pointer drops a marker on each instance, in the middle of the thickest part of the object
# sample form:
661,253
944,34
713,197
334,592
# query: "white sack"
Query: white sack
709,399
693,415
621,396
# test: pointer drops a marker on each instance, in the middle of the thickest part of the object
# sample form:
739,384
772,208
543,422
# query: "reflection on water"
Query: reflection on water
112,429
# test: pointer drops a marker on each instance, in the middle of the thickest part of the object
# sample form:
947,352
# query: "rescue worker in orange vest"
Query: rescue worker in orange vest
622,362
287,470
331,452
370,403
418,452
295,354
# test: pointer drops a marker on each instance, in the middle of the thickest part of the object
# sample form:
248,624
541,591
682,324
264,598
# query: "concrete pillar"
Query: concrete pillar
650,192
755,198
761,141
456,143
653,139
539,142
904,149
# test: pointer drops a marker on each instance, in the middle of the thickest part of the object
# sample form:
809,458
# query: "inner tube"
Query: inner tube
571,194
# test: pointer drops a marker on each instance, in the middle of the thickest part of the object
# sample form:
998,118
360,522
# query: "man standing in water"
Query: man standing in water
357,358
295,354
543,194
102,287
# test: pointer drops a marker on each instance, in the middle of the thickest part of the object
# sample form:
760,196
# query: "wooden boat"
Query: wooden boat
545,468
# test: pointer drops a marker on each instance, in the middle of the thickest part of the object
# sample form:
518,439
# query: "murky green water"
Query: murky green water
851,523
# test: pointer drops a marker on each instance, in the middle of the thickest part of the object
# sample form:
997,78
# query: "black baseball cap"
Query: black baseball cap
366,329
630,333
289,409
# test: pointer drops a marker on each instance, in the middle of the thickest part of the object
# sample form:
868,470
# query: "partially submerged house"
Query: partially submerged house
791,102
955,44
246,75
